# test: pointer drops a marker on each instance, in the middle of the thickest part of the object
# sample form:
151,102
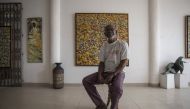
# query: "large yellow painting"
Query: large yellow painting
34,40
89,34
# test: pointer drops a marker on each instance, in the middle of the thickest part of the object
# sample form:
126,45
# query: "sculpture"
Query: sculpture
175,67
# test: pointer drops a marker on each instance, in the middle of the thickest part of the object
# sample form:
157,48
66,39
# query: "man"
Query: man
113,60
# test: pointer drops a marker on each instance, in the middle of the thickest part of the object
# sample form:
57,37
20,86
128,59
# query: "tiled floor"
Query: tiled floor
75,97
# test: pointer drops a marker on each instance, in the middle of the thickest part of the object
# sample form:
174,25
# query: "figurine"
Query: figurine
175,67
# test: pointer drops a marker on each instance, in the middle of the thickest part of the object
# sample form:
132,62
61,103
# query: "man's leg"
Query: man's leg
116,90
89,84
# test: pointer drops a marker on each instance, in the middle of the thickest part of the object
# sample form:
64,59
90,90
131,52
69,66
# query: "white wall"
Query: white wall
172,31
172,14
138,36
36,72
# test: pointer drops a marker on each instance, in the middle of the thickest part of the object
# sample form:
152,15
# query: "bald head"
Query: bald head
109,31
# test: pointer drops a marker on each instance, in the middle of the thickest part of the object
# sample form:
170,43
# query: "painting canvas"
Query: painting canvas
89,34
187,37
34,40
5,47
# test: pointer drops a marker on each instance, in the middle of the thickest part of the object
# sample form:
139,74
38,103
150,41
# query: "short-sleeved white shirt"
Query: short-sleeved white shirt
112,53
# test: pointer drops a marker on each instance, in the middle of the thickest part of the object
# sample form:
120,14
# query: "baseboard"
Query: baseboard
79,84
73,84
36,84
136,84
154,84
126,84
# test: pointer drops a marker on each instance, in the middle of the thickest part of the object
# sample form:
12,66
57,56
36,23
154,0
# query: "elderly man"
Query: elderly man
113,60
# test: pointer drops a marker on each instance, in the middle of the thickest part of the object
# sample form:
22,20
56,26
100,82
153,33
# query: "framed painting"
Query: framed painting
89,34
34,40
187,36
5,46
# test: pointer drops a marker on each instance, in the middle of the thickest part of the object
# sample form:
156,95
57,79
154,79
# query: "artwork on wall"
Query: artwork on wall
187,37
34,40
11,44
89,34
5,46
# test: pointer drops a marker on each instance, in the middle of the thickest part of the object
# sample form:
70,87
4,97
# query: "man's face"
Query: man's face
109,31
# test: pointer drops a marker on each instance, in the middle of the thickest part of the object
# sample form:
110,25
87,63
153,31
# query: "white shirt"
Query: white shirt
112,53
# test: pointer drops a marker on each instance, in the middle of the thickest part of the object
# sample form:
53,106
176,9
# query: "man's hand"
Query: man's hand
101,79
109,78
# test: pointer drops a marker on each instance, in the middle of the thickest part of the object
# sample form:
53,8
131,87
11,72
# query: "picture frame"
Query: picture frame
5,46
187,36
34,40
89,34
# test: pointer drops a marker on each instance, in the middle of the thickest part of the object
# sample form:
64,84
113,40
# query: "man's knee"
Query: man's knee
84,80
89,79
117,90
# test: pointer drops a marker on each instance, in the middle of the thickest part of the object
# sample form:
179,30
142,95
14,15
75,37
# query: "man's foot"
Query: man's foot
101,107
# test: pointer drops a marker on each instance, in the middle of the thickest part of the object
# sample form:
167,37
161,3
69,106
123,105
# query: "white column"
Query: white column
55,30
55,26
154,39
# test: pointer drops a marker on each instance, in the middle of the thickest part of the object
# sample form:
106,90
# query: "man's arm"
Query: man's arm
118,70
124,58
121,66
101,67
100,71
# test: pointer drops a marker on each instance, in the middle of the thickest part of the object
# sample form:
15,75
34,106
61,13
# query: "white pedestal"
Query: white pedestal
167,81
181,81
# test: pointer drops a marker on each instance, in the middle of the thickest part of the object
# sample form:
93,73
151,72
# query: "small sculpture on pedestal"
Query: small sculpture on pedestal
175,67
171,78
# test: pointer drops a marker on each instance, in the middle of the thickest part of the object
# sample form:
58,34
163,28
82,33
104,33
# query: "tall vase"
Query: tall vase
58,76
